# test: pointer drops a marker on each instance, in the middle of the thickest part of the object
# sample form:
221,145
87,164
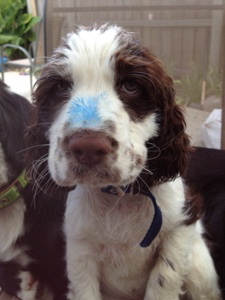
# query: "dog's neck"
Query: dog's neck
157,219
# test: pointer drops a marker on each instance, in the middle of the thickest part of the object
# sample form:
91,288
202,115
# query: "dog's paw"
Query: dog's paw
28,286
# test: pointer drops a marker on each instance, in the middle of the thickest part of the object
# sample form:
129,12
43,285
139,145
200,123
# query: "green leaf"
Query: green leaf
2,22
24,19
9,38
34,21
4,38
16,40
4,4
20,29
17,4
30,36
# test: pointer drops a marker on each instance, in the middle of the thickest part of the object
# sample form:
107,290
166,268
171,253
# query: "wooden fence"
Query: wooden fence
180,32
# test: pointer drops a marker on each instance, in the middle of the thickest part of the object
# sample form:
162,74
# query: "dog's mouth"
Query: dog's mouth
94,158
96,176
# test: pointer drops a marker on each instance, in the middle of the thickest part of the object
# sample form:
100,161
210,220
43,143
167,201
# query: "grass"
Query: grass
189,87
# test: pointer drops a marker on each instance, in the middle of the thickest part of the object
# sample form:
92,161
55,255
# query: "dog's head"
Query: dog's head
105,112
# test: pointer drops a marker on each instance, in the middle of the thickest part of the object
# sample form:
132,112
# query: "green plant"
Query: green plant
214,83
16,25
189,87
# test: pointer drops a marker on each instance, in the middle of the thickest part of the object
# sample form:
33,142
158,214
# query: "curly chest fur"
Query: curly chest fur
108,219
109,229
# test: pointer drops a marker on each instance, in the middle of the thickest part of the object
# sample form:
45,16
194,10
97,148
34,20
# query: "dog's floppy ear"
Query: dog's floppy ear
36,137
36,143
168,153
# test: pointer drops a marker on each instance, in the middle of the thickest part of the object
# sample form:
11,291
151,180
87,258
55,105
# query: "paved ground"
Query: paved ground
19,83
195,118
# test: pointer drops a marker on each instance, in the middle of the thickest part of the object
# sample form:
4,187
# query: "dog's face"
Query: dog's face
105,107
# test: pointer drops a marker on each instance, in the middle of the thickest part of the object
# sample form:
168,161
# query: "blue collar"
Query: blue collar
157,219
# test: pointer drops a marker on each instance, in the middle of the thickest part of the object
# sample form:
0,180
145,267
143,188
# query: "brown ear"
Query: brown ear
168,153
40,121
37,143
36,161
37,150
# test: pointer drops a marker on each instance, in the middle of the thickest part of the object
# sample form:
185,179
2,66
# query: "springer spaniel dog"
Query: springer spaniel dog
31,239
111,132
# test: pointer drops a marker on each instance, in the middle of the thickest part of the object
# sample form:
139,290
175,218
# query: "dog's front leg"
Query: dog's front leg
17,281
82,271
82,284
81,256
166,278
201,279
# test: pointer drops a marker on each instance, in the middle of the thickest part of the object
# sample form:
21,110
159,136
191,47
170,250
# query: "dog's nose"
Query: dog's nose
90,150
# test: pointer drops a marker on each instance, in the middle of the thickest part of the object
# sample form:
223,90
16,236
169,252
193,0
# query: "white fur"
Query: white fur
11,224
99,78
28,286
103,252
103,232
3,168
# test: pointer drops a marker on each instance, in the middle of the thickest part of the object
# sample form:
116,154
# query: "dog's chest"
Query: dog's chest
124,270
108,220
113,228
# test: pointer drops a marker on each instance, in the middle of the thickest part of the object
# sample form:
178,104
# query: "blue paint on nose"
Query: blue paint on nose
84,112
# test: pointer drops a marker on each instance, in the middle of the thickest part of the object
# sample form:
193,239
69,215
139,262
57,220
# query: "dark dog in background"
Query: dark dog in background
14,113
206,177
31,242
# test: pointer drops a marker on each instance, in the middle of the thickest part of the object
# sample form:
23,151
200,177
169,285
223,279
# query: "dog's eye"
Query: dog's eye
130,86
63,87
